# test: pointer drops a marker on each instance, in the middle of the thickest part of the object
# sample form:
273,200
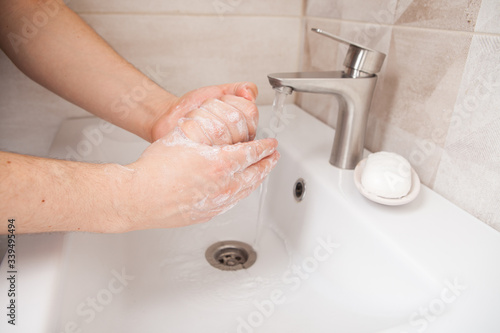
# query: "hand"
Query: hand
178,182
230,107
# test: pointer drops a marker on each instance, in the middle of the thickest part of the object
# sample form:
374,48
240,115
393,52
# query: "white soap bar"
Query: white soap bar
387,175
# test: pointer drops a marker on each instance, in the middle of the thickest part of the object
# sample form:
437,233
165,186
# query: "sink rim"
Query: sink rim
339,184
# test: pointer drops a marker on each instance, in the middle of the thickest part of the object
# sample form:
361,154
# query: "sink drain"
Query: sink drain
230,255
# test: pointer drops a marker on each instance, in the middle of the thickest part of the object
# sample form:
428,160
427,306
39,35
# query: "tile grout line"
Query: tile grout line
173,14
387,25
301,16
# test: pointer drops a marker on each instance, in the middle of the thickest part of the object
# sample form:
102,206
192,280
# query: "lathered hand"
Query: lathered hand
228,120
177,181
231,108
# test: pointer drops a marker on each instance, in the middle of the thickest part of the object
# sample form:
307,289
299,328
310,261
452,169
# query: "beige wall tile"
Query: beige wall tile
421,82
412,107
321,53
479,95
470,173
440,14
193,51
423,154
472,186
489,17
220,8
374,11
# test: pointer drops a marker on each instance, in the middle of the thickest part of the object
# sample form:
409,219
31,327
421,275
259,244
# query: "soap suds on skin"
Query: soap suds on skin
214,199
186,122
233,116
218,110
215,128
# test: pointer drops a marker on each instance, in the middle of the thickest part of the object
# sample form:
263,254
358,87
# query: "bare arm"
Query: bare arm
56,48
164,188
51,195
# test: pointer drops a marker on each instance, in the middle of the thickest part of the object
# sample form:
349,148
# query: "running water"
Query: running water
272,132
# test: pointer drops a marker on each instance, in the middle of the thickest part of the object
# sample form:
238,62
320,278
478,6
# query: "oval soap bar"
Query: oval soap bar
387,175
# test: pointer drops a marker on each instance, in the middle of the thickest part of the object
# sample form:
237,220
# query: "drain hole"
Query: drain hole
299,189
230,255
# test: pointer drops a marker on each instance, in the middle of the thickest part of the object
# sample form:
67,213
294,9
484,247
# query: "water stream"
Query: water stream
271,132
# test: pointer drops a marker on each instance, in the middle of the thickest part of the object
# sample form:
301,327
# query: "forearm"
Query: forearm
52,195
66,56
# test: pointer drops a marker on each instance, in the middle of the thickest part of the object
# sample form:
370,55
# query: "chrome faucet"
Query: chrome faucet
354,86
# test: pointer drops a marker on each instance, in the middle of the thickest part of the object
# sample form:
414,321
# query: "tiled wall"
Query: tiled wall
437,101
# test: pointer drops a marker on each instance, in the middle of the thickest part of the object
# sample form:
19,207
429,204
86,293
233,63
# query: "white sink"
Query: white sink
334,262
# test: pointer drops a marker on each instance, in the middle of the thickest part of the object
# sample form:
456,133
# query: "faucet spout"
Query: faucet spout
354,87
354,95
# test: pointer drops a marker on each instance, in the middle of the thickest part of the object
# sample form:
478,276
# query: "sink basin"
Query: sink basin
332,262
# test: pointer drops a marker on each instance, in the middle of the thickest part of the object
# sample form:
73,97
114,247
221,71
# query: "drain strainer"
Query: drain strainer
230,255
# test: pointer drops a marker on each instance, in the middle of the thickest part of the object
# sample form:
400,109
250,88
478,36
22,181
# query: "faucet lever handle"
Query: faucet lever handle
359,58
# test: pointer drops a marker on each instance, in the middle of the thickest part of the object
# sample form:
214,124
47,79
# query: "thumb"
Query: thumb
246,154
247,90
256,160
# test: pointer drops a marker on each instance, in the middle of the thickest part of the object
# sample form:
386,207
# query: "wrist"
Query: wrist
116,217
165,117
138,106
157,107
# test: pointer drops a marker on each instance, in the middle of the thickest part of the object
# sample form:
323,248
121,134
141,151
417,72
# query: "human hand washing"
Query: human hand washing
206,160
200,169
177,182
230,107
202,159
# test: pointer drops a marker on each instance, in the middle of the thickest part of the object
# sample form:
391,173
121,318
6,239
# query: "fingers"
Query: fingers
247,90
204,122
237,111
208,180
243,155
251,177
248,112
219,122
195,131
230,124
243,183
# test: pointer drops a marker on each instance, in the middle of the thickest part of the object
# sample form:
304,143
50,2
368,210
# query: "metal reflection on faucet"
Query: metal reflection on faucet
354,86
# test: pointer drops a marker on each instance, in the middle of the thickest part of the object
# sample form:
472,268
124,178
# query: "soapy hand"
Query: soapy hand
229,108
204,165
221,121
177,181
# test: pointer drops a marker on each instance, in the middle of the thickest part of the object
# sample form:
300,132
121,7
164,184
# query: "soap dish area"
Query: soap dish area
412,194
